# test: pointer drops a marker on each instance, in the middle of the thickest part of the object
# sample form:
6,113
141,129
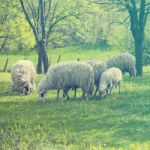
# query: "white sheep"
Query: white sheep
23,77
98,68
109,79
125,62
68,75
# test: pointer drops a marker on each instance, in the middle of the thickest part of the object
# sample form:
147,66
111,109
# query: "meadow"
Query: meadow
120,121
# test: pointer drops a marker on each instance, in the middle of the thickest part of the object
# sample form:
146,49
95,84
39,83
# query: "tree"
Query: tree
43,16
7,16
138,19
137,11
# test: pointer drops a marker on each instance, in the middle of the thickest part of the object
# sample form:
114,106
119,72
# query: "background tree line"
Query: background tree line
44,24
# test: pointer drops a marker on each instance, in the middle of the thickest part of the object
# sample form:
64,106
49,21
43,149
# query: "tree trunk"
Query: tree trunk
39,65
3,44
139,57
43,57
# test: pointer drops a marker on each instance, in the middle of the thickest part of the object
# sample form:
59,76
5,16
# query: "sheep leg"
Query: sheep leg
119,87
131,77
75,91
86,97
86,94
83,94
109,90
12,88
67,95
96,91
58,91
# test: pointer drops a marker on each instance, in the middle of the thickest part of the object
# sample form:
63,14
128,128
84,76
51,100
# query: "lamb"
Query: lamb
109,79
23,77
98,68
125,62
68,75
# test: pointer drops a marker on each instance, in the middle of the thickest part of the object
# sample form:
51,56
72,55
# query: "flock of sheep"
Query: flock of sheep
74,75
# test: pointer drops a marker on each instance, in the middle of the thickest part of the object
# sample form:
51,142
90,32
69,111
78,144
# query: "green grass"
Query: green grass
120,121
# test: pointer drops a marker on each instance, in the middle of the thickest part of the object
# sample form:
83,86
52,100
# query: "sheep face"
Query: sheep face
42,95
24,85
132,73
26,89
102,92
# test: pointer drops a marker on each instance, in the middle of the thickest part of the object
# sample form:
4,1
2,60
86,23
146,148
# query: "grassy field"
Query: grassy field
120,121
72,53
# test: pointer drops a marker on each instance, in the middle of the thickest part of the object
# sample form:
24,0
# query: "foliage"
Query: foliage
13,27
146,56
92,24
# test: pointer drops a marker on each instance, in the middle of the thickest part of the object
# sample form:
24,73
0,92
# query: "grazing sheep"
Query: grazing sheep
125,62
68,75
98,68
109,79
23,77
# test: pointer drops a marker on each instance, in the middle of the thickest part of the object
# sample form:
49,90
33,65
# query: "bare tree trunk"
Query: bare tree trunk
42,57
42,43
39,65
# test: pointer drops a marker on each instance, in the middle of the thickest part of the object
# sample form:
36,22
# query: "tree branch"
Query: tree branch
49,8
42,2
29,20
142,15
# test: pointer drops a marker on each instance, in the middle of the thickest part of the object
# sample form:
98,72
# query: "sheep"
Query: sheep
68,75
109,79
23,77
125,62
98,68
